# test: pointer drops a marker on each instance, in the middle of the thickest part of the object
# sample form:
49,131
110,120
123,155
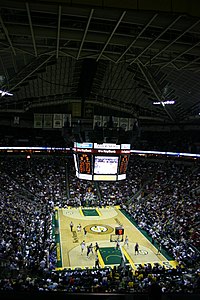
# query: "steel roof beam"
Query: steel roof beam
137,37
153,86
85,33
95,38
7,36
110,37
31,28
58,31
26,75
175,58
176,39
188,64
4,69
169,26
14,62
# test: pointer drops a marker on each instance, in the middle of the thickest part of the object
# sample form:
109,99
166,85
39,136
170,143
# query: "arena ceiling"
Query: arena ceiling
122,55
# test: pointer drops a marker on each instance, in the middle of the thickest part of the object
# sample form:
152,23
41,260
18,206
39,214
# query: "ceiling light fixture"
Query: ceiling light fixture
168,102
4,93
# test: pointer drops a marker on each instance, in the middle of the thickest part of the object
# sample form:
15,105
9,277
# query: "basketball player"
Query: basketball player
97,262
117,244
126,241
82,247
159,249
136,248
71,226
96,247
79,228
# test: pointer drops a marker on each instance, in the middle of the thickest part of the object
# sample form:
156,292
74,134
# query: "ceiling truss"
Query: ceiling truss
138,52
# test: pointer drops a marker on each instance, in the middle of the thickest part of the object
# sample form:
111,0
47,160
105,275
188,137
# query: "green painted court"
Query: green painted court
111,256
90,212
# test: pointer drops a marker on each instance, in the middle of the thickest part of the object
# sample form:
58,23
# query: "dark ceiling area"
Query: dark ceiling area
119,55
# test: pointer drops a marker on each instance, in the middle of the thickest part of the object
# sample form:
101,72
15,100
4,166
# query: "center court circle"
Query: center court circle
99,229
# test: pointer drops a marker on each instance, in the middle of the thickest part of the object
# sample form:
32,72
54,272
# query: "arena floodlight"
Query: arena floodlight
4,93
167,102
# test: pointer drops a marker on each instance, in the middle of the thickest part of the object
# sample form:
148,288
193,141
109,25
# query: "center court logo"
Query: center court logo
99,229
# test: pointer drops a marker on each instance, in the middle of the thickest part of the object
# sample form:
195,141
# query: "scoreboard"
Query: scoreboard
103,162
84,163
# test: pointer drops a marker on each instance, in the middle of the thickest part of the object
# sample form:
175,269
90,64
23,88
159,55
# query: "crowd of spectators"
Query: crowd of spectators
169,213
31,188
29,191
107,280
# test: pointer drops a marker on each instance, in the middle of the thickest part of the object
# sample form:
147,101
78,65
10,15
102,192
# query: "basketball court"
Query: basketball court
98,225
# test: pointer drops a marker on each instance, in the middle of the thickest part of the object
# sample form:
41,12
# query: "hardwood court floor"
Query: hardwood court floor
99,228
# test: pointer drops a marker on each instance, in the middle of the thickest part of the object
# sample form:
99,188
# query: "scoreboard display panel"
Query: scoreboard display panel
105,164
123,164
85,163
101,162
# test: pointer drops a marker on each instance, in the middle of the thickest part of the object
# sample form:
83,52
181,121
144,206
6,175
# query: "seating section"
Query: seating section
157,194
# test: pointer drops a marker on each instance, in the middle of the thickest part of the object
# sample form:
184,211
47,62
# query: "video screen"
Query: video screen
106,165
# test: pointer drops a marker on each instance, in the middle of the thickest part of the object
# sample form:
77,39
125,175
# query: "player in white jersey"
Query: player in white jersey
82,247
126,241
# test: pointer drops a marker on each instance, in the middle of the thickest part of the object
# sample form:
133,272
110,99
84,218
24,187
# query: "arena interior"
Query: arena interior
100,149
